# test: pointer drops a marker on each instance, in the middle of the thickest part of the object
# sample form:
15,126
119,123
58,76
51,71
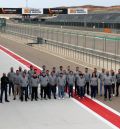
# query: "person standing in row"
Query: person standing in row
30,74
4,83
76,74
101,76
61,82
117,83
11,75
17,88
34,84
87,79
24,88
113,82
94,85
81,84
53,84
71,82
107,85
44,80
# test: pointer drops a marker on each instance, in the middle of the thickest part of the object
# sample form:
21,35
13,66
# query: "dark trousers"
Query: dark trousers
53,91
76,89
107,91
86,88
70,90
113,88
66,87
34,93
48,91
3,89
117,88
11,86
93,91
81,91
44,90
24,90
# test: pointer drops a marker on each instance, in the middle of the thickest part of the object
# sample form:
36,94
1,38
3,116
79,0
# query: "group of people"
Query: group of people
25,84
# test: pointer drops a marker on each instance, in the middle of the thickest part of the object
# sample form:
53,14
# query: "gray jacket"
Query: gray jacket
94,81
61,81
23,81
87,77
52,80
107,80
101,76
34,82
81,81
118,78
11,76
16,79
44,81
71,79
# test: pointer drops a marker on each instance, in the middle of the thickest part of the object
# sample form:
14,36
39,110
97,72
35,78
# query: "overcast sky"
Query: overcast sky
56,3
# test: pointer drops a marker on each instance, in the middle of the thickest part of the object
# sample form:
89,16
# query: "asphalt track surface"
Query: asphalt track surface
39,58
66,116
93,40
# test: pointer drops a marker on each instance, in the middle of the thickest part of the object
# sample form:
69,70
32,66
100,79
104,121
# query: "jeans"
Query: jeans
61,91
81,91
3,89
70,90
24,90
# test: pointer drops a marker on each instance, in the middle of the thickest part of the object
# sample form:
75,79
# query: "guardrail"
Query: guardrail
90,56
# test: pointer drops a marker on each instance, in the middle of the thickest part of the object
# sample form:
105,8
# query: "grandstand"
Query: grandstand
99,20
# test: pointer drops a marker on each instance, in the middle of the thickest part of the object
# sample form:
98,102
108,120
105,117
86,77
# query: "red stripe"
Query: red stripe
97,108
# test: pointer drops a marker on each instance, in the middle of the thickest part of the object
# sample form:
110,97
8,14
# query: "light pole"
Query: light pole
26,3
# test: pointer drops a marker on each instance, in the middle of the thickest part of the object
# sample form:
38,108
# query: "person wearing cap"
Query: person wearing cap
71,82
10,76
17,87
4,82
61,82
107,85
81,84
53,84
34,84
94,85
44,83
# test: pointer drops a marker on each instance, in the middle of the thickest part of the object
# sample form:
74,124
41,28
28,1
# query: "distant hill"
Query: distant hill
97,9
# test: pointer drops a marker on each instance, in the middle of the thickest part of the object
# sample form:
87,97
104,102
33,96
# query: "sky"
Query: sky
56,3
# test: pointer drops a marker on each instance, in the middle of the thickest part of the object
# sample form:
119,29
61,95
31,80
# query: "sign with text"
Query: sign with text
10,10
77,11
32,11
55,11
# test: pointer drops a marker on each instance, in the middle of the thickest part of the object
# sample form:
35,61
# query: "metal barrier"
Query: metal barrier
92,48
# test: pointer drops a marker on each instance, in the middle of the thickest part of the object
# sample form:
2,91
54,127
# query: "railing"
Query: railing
94,49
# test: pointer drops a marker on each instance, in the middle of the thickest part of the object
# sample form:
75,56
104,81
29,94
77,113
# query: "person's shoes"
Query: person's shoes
59,98
14,99
54,97
0,101
110,99
31,99
116,95
113,95
36,100
7,101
